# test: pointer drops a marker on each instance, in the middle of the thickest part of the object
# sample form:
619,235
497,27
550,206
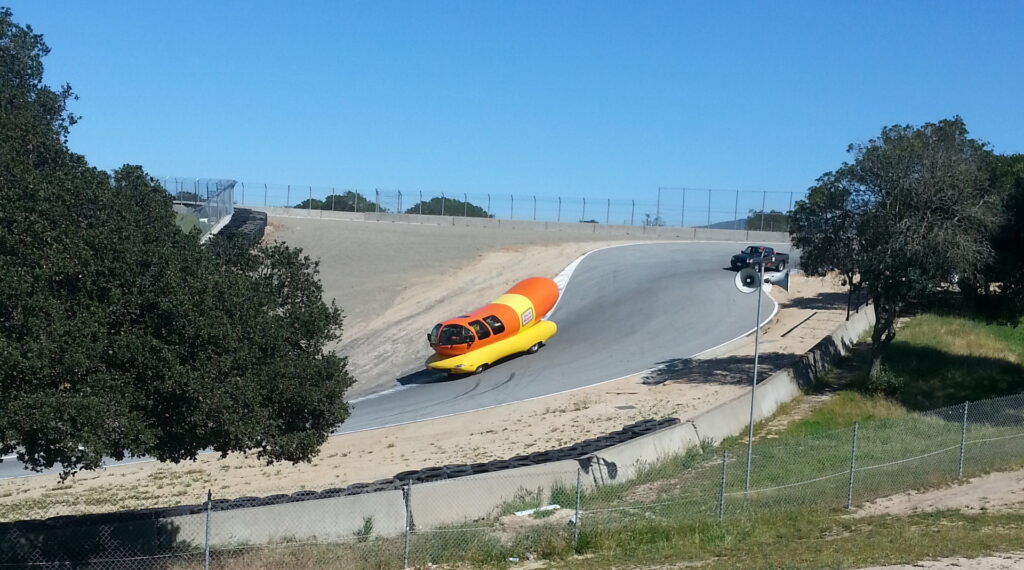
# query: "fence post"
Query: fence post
310,203
512,207
243,192
535,207
442,203
288,198
489,203
764,195
657,205
721,493
209,512
736,211
576,519
632,210
683,215
264,195
853,465
421,201
584,210
608,211
963,443
407,496
376,205
399,211
559,218
465,205
709,207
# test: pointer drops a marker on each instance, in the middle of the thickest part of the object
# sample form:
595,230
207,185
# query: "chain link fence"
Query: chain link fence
491,518
675,207
207,203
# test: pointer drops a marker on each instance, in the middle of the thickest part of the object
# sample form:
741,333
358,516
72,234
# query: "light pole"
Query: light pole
753,382
749,280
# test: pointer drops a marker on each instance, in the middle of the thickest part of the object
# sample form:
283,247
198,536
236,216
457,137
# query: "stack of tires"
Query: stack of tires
247,225
426,475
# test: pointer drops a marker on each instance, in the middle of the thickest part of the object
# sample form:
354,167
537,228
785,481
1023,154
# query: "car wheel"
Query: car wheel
480,368
533,349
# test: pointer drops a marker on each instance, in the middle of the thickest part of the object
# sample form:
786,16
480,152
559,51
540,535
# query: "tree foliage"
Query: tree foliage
122,335
448,207
348,201
914,208
769,221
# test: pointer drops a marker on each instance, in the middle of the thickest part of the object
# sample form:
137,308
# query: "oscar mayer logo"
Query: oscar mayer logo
527,316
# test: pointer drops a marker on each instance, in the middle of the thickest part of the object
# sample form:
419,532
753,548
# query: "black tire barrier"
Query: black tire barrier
274,500
478,468
244,503
408,475
219,504
460,470
541,457
497,465
303,496
356,488
641,424
333,492
667,422
433,474
513,463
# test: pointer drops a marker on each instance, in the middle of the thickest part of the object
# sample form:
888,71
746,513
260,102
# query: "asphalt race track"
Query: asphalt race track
626,309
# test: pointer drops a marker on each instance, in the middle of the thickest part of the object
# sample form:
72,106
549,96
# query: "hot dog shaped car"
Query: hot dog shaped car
510,325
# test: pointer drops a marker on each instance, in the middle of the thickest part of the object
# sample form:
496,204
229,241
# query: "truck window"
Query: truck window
495,323
481,329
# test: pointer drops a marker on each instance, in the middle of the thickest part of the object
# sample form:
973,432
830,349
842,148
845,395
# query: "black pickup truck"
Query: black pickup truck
753,255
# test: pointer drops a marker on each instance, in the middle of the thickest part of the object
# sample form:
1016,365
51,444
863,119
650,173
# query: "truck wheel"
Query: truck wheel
533,349
782,266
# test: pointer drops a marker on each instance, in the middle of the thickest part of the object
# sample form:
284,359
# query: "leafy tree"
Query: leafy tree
823,227
185,196
448,207
1006,271
922,210
121,335
656,221
772,221
311,204
350,201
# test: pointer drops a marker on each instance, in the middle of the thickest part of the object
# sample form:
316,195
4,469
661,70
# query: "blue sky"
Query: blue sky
601,99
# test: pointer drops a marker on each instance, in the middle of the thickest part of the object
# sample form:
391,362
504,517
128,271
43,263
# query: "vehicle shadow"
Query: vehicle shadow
726,370
427,376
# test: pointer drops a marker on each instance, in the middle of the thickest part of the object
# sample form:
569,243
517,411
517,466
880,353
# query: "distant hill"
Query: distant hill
728,225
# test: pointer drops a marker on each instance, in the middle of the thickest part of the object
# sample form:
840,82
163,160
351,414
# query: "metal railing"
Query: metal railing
669,206
493,517
212,200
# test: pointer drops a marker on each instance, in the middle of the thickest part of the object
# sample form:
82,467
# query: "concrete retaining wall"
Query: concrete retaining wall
610,230
465,499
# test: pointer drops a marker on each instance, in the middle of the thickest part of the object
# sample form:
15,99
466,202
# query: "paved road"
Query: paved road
625,310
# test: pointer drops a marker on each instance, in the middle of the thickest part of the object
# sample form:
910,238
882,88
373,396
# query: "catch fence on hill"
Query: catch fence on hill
491,518
668,206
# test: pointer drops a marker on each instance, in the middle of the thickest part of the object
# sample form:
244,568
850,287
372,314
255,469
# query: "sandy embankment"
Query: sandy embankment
432,286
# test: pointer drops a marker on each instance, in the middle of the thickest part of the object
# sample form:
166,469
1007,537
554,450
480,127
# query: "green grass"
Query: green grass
945,360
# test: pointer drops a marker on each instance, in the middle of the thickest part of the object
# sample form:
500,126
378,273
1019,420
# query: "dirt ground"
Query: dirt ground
993,492
812,309
393,279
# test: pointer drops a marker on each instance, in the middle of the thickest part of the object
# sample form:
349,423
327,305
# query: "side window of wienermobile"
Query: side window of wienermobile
495,323
481,329
432,335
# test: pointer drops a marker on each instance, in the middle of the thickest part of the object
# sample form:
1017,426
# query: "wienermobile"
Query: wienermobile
510,325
